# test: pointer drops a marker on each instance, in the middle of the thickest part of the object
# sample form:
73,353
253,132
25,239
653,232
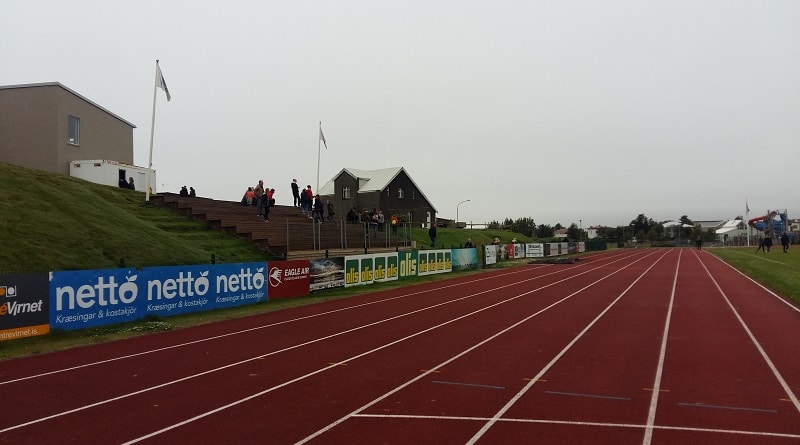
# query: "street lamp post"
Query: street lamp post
457,205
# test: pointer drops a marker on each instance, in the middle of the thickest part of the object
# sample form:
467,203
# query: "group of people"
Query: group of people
261,198
311,205
765,243
375,219
185,192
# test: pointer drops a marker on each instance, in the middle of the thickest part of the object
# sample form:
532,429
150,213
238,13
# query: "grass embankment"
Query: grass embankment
54,222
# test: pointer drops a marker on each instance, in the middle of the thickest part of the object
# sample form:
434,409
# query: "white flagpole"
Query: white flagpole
152,131
747,219
319,145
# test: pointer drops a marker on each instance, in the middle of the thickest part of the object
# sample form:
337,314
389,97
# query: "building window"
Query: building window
74,130
345,192
401,193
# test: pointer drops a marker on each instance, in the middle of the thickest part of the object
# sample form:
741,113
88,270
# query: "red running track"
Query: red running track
648,346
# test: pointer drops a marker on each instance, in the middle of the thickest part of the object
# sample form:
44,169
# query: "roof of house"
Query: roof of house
58,84
676,224
713,224
371,181
730,226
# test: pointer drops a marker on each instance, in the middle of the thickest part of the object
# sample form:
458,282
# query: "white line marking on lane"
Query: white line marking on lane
651,414
778,297
792,396
555,359
470,349
576,423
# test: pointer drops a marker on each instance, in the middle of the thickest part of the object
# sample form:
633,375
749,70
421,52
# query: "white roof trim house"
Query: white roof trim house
732,226
371,181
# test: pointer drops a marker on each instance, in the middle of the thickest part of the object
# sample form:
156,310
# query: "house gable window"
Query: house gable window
73,130
345,192
401,193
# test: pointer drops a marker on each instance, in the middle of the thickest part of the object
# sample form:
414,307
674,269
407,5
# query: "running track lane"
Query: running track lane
343,379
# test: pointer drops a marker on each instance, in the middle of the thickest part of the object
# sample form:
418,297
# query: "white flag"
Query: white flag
322,138
161,83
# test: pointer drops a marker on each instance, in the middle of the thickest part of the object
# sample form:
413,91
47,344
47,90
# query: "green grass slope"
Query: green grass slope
54,222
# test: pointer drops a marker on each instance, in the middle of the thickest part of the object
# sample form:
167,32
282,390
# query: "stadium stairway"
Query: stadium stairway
288,233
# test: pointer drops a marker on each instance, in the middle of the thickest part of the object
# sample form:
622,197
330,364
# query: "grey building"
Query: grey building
391,190
45,126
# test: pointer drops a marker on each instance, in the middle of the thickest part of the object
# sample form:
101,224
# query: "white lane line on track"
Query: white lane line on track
470,349
778,297
245,331
792,396
268,390
230,365
575,423
558,356
651,414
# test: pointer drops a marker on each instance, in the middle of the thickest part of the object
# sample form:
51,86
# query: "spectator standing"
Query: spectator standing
394,221
268,192
381,220
319,209
331,213
184,192
258,193
352,216
432,235
364,218
192,193
305,204
130,183
295,193
373,218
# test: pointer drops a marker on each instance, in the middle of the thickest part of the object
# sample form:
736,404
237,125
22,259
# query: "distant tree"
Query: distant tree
493,225
574,232
658,231
525,226
687,231
545,231
642,224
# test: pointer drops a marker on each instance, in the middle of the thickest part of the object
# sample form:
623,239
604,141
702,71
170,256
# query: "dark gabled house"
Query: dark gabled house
391,190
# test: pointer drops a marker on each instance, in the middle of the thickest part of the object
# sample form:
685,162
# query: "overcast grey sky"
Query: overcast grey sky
563,111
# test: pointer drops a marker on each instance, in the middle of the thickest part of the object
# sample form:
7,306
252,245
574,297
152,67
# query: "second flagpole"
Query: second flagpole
319,146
